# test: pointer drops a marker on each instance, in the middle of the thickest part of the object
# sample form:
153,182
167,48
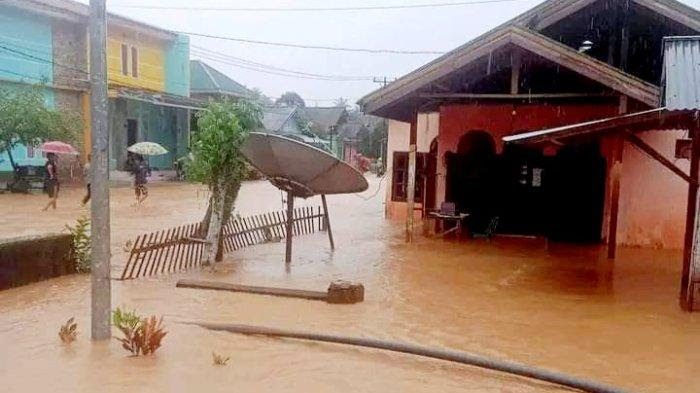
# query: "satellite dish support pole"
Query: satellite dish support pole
290,227
327,221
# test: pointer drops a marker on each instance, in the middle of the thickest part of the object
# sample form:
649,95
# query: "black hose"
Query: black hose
443,354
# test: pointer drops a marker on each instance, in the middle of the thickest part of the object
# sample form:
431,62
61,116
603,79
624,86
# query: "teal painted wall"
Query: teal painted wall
26,50
163,125
177,67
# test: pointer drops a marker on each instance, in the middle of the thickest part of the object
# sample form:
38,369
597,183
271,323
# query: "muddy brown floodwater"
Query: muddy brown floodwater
560,307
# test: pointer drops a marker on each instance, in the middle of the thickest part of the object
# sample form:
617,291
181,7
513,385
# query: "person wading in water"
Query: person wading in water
51,184
140,180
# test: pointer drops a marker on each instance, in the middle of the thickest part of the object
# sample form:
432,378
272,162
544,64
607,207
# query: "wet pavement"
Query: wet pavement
560,307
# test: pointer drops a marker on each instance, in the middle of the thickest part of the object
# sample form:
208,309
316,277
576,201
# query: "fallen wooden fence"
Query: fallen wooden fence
182,248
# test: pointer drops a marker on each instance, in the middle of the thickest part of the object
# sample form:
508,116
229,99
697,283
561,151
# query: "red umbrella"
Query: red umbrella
58,147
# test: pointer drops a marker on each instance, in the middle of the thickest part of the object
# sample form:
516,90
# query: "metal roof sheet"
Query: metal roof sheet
681,73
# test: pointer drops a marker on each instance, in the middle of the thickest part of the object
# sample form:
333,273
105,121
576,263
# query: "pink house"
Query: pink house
548,126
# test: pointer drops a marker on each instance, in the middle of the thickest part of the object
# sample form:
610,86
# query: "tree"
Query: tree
291,98
218,162
341,102
26,120
256,95
372,142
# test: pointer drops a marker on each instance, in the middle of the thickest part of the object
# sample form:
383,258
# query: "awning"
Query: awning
161,99
654,119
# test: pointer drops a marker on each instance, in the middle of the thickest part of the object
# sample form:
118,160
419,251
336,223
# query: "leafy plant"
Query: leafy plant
142,336
218,162
25,119
219,360
69,331
81,246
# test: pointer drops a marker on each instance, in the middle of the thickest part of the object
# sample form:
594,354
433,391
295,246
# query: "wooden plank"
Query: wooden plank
261,228
515,63
651,152
271,224
615,173
144,255
182,248
159,255
328,222
166,250
270,291
192,247
238,236
173,255
281,219
131,257
151,252
411,181
241,232
691,212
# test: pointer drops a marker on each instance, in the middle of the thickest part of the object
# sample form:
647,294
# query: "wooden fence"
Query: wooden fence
182,248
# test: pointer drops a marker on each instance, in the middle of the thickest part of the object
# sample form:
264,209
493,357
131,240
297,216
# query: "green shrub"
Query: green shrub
81,247
142,336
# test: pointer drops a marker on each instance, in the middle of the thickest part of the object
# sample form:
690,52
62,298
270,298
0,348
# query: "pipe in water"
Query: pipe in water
519,369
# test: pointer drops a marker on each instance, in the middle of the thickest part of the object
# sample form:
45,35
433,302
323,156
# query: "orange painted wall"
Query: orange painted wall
652,198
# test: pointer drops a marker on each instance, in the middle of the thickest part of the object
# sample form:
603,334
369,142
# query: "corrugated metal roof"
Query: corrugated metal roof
207,79
681,74
275,118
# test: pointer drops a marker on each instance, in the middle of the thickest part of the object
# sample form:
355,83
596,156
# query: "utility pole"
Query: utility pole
382,81
101,304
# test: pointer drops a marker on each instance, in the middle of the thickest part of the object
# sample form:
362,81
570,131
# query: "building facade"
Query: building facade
44,43
561,63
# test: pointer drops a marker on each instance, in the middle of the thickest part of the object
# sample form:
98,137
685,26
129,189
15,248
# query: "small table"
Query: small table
442,217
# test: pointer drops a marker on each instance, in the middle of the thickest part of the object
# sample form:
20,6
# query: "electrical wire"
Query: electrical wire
319,47
248,64
314,9
379,187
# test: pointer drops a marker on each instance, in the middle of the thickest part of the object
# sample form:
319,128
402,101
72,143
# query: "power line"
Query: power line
302,46
313,9
219,55
32,57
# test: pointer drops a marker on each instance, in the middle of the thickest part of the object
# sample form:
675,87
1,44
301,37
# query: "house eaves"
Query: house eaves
529,40
78,13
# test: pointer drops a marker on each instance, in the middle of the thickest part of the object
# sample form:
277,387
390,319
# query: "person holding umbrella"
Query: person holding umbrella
141,169
51,183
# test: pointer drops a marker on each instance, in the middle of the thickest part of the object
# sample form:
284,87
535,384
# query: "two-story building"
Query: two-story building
45,42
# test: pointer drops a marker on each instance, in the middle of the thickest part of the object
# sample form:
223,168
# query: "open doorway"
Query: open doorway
471,173
527,193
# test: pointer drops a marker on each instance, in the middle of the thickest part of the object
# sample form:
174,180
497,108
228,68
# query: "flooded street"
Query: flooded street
560,307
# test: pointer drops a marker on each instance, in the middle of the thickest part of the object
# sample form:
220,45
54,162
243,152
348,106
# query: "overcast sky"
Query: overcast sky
431,29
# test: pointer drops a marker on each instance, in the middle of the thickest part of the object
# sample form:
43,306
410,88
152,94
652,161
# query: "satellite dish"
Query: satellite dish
302,171
301,168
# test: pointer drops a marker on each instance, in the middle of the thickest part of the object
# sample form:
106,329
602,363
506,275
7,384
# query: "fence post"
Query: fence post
290,227
327,221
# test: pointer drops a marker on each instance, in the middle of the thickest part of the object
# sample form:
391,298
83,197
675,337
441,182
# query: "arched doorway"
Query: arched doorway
470,178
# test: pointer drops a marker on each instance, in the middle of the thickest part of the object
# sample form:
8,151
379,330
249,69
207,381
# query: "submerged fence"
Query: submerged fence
181,248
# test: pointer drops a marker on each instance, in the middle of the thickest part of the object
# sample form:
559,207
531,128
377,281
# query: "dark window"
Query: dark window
400,176
125,59
134,62
132,128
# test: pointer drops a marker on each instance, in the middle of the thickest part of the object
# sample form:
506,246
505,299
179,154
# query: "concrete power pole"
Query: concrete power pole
101,286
